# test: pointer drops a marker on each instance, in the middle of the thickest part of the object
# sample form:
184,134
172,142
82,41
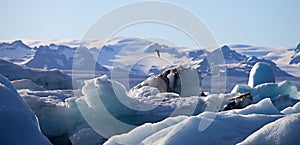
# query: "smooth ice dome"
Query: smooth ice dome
261,73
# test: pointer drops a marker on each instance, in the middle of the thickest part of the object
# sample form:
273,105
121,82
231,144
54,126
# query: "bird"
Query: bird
158,52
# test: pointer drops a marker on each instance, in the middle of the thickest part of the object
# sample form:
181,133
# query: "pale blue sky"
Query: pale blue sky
256,22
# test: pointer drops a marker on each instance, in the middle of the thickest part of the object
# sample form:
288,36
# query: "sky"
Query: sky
268,23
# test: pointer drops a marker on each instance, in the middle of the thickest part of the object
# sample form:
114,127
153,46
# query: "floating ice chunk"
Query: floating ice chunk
57,111
19,125
265,106
291,110
183,81
144,91
282,131
27,84
283,101
282,94
86,136
271,90
261,73
241,89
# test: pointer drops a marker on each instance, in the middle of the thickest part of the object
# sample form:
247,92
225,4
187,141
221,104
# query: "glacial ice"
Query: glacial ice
27,84
183,81
86,136
56,109
291,110
94,114
19,125
229,127
265,106
4,81
261,73
284,131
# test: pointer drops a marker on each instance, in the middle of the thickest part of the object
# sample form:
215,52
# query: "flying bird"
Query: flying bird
158,52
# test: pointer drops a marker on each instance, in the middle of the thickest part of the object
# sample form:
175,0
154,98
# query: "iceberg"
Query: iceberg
228,127
57,111
292,110
183,81
19,125
261,73
27,84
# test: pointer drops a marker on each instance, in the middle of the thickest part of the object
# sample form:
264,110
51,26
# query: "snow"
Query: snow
261,73
228,127
16,51
282,56
19,125
282,131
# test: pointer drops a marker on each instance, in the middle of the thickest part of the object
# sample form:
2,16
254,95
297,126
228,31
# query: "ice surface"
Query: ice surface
4,81
19,125
49,79
27,84
103,99
284,131
261,73
56,110
86,136
282,94
265,106
271,90
291,110
183,81
138,134
241,89
228,127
